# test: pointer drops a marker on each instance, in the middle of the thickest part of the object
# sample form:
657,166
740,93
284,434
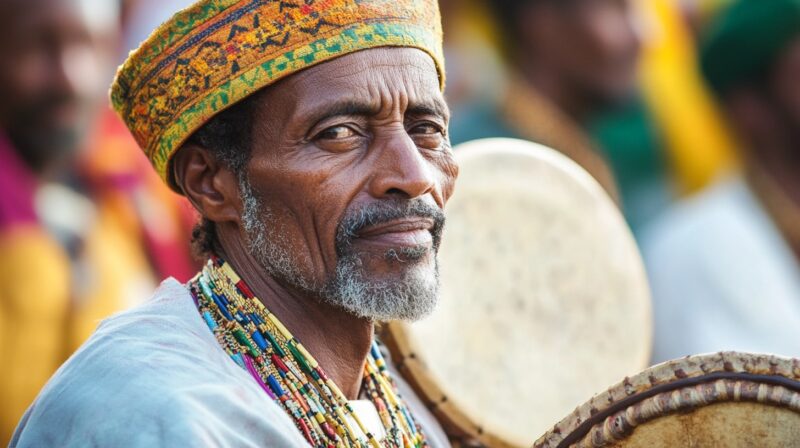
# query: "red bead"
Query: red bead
326,427
306,431
245,289
279,363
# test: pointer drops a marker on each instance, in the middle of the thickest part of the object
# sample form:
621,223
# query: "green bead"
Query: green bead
242,338
299,357
275,344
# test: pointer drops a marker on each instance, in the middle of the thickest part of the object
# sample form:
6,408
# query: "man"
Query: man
70,256
724,265
312,139
568,60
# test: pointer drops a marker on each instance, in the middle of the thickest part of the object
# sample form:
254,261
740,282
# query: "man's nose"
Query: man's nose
402,170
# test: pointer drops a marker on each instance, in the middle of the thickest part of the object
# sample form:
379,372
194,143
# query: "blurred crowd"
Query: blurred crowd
686,111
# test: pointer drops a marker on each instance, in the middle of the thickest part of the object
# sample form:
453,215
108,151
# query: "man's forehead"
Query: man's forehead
361,82
395,61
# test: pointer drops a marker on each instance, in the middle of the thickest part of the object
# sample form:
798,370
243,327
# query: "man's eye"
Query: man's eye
426,129
336,133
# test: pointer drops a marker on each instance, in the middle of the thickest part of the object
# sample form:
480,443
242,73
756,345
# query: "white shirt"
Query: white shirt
723,277
155,376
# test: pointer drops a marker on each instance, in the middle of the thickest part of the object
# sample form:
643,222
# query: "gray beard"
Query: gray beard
410,298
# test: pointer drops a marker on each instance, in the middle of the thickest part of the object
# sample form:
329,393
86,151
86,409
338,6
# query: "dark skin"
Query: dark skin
766,117
581,54
365,127
50,75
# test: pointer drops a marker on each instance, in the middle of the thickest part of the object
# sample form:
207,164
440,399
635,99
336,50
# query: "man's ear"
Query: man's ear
209,185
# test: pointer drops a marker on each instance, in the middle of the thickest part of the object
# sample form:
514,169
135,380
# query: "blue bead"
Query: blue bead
273,384
376,354
239,360
209,320
222,308
241,317
259,340
221,296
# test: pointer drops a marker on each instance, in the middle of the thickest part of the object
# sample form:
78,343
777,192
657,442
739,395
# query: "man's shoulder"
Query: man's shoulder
149,376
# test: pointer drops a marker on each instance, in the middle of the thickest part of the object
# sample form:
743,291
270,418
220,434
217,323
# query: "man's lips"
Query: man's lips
402,232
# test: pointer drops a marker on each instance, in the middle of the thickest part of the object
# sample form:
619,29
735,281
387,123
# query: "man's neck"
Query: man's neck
339,341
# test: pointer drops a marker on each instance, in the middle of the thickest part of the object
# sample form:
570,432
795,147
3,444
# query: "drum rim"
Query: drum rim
771,370
395,335
531,150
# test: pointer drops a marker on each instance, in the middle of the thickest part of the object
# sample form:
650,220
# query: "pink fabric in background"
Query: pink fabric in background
18,186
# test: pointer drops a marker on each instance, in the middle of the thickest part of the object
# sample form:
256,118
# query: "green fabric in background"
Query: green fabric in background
633,147
745,38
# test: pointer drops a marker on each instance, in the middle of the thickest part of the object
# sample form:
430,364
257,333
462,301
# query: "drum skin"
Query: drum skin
544,298
732,400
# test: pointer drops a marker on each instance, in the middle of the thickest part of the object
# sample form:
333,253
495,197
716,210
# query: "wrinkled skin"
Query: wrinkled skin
391,144
582,52
366,128
51,77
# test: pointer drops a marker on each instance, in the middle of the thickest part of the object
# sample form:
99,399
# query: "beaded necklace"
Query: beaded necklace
259,343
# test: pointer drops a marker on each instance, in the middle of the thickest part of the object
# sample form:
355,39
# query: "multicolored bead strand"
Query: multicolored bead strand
261,345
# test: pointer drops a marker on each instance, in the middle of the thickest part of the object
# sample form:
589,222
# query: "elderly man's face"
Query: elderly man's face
350,170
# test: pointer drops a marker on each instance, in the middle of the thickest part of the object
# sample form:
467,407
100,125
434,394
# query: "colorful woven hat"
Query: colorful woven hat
216,52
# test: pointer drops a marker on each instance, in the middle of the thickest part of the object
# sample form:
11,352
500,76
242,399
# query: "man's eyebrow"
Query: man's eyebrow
436,108
343,109
355,108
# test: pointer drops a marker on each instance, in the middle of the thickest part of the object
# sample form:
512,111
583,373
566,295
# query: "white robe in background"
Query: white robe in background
155,376
723,277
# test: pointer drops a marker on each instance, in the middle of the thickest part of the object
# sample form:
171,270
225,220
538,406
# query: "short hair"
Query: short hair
228,136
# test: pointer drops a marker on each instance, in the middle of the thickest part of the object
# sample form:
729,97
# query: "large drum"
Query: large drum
544,298
730,400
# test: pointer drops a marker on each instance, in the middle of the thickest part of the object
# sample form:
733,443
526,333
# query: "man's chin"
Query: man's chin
409,294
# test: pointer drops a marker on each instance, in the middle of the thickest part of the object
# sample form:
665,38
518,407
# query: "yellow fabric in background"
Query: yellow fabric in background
34,304
118,273
48,307
700,146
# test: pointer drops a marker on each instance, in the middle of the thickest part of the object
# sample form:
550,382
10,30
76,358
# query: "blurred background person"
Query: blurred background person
724,265
82,232
635,113
567,60
474,66
698,146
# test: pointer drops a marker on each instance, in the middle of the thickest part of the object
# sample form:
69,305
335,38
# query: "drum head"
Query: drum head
544,297
731,400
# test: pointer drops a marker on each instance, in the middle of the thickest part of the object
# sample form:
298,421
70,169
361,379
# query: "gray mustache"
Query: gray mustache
386,211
